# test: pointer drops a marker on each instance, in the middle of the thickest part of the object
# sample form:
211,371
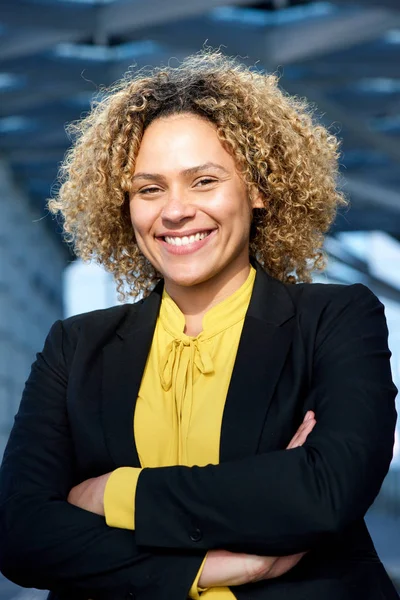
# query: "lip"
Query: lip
182,234
188,248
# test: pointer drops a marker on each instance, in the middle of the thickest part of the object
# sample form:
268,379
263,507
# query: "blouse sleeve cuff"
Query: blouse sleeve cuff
119,497
195,590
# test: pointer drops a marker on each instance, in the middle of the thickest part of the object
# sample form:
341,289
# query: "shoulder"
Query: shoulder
332,311
99,325
93,328
298,298
337,315
318,297
105,317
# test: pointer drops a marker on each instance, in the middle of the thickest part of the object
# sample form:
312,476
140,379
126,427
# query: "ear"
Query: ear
257,200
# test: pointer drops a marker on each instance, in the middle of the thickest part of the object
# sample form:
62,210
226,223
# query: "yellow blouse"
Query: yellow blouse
180,404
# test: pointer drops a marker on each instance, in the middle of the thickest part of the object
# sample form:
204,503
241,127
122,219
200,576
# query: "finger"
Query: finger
301,434
307,417
302,437
303,427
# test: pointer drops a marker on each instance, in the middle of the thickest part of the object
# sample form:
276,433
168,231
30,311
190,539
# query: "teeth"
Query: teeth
178,241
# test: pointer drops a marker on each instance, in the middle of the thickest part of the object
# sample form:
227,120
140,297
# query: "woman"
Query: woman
224,436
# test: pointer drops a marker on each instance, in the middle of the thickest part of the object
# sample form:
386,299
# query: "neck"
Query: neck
194,301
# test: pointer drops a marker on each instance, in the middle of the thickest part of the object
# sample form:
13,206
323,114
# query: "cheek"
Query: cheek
239,212
140,218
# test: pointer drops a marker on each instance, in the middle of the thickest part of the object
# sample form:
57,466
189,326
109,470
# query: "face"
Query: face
189,206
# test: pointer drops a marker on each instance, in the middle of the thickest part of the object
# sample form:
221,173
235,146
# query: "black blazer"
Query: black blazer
304,346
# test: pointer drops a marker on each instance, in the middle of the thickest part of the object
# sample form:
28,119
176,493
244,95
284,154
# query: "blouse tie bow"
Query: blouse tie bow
181,357
178,368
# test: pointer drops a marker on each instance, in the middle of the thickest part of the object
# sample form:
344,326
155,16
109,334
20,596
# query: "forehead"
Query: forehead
181,141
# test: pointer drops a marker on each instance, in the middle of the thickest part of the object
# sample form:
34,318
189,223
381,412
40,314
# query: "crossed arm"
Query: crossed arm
339,470
221,567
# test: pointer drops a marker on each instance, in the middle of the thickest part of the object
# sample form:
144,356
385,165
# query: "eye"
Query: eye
149,190
205,181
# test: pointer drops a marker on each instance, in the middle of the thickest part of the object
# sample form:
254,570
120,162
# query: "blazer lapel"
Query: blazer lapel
263,347
124,360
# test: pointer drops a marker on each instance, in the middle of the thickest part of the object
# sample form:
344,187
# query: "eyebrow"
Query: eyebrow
185,172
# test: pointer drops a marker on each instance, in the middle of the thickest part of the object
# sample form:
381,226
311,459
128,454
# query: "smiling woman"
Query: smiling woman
279,154
224,436
191,197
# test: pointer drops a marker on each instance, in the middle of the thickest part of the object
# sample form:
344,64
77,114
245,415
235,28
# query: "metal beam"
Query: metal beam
33,41
72,80
49,70
369,193
290,44
96,22
28,100
310,40
350,120
117,17
283,45
54,136
54,16
368,219
124,15
341,253
129,16
347,75
21,156
391,4
364,104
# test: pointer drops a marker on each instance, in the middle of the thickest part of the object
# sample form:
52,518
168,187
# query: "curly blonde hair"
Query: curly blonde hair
278,148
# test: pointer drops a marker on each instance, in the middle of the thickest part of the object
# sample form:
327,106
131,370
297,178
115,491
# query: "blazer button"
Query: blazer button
196,535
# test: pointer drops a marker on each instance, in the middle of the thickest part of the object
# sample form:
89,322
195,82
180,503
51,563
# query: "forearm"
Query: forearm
231,506
278,503
53,545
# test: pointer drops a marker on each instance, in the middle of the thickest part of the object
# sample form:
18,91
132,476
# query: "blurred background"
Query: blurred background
343,56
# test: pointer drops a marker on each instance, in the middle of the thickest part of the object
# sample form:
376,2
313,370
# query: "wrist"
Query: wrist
101,483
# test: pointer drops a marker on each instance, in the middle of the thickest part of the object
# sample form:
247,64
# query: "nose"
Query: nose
177,208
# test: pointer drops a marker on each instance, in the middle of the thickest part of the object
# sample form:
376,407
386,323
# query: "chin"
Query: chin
187,279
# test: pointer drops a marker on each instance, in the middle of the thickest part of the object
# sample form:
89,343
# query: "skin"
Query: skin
167,199
175,190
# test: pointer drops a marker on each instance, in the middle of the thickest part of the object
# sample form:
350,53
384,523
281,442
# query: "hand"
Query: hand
224,568
303,431
89,494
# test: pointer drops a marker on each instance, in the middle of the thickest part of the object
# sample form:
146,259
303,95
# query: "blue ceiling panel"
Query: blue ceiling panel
344,57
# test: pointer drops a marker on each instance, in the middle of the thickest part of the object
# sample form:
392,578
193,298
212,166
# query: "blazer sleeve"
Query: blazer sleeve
287,501
48,543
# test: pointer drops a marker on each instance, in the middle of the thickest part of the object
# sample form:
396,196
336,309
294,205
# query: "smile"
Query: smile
186,244
185,240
